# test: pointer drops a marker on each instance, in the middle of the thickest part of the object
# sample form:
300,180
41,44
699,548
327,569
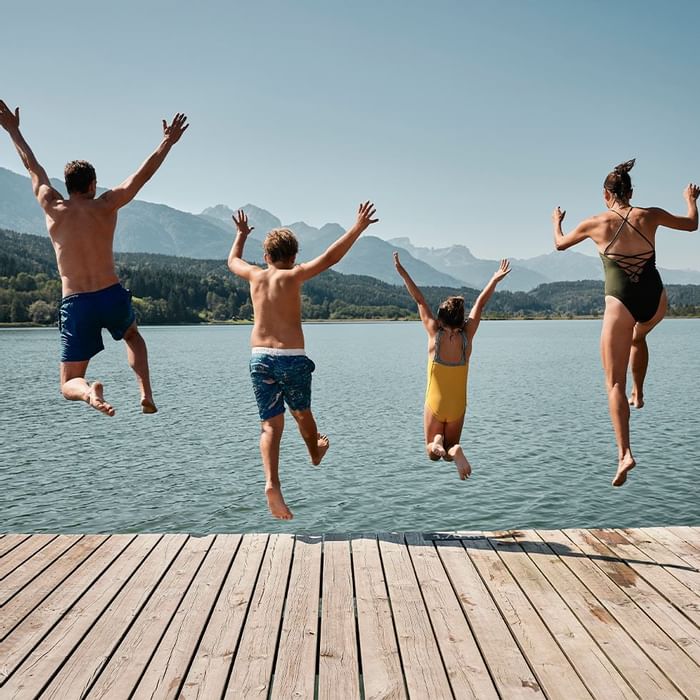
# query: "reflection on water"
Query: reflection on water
537,434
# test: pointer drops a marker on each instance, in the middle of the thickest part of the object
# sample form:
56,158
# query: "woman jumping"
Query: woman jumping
635,299
450,340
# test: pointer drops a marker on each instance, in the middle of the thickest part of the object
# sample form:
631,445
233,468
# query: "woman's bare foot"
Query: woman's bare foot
436,448
322,445
626,464
276,503
95,398
147,405
464,469
637,399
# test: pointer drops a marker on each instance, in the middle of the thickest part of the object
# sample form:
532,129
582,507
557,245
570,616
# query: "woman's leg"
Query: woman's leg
639,355
455,453
434,435
615,345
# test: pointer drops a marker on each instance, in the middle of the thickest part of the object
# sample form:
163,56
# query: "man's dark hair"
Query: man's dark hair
79,175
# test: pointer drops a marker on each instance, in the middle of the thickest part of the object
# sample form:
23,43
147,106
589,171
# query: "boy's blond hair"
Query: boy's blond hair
280,245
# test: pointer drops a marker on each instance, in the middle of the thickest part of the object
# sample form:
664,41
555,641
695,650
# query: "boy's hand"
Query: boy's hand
8,120
558,215
502,271
365,214
173,131
242,223
691,193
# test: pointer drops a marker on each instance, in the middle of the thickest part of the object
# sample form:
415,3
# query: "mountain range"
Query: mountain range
156,228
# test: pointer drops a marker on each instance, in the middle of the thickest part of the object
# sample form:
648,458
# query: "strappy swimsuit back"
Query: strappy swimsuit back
446,392
633,278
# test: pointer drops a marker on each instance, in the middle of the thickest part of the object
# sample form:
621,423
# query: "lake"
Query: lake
537,434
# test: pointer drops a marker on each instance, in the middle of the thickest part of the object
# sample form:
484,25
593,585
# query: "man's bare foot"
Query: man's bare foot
276,503
322,444
626,464
464,469
95,398
436,448
147,405
637,400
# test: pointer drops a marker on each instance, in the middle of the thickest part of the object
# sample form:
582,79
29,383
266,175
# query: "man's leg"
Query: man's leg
137,355
639,354
74,387
316,444
270,438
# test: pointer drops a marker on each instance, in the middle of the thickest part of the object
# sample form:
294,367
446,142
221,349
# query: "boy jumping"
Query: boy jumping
279,367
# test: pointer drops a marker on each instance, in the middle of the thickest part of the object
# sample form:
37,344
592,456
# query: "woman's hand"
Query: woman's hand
691,193
558,216
502,271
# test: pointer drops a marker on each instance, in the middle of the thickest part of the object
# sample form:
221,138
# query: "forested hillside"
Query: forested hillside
171,289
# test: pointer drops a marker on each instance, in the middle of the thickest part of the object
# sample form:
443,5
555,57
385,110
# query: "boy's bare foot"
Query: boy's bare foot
464,469
276,503
95,398
436,448
626,464
322,444
637,399
147,405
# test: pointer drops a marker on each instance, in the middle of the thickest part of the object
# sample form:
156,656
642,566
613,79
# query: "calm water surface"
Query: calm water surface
537,434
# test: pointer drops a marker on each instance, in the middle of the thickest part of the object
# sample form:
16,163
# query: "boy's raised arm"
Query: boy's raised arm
235,258
335,252
426,314
127,190
483,298
41,184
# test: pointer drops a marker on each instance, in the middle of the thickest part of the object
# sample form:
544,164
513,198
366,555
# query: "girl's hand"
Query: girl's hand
691,193
397,263
502,271
558,215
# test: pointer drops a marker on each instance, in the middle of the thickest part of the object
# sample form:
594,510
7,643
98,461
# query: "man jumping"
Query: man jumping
81,229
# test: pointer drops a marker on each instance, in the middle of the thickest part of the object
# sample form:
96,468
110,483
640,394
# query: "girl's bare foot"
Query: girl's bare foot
147,405
436,448
626,464
464,469
322,444
276,503
637,399
95,398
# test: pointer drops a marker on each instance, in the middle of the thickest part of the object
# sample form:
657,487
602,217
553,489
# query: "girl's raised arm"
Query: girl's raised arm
426,315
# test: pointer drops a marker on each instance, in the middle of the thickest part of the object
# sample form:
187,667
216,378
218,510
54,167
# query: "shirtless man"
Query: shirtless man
279,367
81,229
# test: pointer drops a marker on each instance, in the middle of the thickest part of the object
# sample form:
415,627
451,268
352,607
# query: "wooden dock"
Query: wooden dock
553,614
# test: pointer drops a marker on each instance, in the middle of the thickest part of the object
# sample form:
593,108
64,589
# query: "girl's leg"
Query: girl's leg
455,453
639,355
615,346
434,435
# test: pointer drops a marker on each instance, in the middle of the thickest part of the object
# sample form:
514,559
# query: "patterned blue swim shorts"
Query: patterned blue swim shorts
279,376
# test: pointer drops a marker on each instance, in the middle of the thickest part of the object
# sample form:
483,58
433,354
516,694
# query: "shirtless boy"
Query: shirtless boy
81,229
279,367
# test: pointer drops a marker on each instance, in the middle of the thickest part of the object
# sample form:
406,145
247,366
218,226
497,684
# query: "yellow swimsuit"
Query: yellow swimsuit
446,393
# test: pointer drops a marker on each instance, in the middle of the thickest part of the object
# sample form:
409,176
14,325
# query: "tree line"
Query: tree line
171,290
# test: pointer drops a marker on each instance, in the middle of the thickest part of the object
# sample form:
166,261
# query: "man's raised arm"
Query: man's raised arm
41,184
335,252
124,193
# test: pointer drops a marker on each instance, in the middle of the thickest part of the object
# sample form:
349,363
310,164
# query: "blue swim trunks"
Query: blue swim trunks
279,376
82,317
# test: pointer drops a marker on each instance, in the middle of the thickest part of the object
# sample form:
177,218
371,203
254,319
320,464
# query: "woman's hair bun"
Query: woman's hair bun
624,167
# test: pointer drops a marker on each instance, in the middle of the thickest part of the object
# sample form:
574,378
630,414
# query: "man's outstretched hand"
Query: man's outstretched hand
177,128
9,120
242,222
365,214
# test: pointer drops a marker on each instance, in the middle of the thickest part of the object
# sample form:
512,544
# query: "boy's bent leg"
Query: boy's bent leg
270,438
74,387
316,444
137,355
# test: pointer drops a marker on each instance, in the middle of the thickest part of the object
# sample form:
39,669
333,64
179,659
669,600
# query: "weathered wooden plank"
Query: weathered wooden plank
10,541
295,670
165,672
465,666
17,645
691,535
637,668
509,669
22,552
422,664
209,670
685,550
338,671
382,675
121,673
252,667
32,567
594,668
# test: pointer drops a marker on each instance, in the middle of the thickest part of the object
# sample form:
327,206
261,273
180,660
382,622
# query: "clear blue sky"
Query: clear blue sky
466,122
